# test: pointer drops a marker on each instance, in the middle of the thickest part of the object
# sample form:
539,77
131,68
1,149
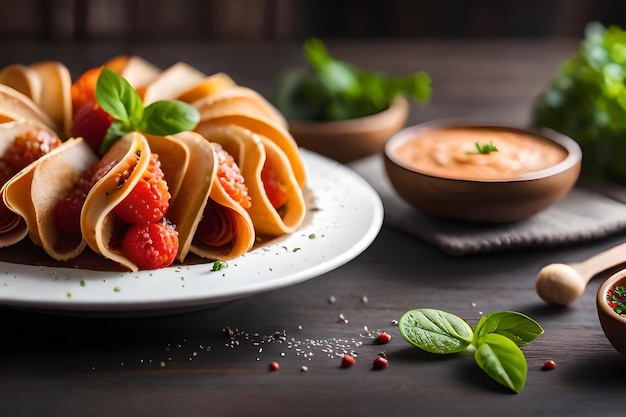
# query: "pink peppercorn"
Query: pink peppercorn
549,365
383,338
347,361
380,362
274,366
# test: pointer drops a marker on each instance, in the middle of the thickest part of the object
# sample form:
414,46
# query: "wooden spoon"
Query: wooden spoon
561,284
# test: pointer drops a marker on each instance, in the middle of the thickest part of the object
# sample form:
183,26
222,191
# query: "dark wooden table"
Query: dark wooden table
185,365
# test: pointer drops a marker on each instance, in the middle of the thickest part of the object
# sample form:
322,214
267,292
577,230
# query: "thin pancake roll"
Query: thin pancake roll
122,201
214,224
260,125
21,144
35,192
277,201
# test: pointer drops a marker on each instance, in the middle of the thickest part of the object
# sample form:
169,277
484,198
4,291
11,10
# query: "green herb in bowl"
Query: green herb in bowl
330,89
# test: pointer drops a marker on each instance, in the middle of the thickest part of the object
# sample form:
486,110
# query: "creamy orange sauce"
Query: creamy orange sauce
452,153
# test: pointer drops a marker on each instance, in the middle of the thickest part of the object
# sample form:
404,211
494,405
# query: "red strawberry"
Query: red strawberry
91,123
151,246
230,177
149,200
274,189
67,212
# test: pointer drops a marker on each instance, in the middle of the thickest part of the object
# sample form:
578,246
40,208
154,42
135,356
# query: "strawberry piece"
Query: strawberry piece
26,148
67,210
91,123
151,246
274,189
230,177
149,199
67,213
84,89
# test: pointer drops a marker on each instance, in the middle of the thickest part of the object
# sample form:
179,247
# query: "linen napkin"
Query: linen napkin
583,215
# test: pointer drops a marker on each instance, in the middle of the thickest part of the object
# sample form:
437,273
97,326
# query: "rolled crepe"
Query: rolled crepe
238,100
207,87
259,125
136,70
252,152
170,83
36,190
55,97
13,226
15,106
44,94
213,224
98,223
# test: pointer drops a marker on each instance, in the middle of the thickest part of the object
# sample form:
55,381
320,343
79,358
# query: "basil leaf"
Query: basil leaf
114,133
518,327
435,331
167,117
119,99
502,360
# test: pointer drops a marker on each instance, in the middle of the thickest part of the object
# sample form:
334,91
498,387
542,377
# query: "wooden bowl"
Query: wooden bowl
493,195
613,324
348,140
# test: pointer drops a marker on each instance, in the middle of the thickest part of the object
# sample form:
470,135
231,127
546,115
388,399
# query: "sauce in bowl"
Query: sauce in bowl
452,152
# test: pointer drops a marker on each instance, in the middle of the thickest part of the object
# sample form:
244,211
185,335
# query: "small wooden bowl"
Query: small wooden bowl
466,199
613,324
349,140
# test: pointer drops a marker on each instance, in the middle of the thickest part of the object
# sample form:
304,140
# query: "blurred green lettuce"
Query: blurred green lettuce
329,89
586,100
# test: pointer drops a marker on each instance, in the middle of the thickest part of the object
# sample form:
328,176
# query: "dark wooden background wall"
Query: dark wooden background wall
298,19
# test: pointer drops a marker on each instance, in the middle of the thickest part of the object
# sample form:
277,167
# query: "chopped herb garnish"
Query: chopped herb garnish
295,249
69,294
219,265
485,149
312,236
117,289
618,299
82,283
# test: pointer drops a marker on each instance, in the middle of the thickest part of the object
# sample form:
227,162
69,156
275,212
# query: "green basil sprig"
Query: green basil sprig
118,98
497,339
485,149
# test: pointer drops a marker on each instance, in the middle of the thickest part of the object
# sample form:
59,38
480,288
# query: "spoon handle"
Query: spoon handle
601,262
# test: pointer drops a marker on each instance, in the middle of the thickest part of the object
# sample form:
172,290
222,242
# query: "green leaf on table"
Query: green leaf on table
435,331
502,360
518,327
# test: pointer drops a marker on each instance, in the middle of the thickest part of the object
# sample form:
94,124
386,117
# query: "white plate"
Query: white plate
344,216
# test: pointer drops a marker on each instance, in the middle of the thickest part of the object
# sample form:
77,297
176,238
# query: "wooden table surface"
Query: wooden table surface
186,365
